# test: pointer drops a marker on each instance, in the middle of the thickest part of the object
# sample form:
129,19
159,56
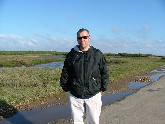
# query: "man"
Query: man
85,76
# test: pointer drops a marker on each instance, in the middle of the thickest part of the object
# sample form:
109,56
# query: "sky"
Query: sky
115,26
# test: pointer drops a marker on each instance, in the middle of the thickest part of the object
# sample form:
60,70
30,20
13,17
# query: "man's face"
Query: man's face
83,39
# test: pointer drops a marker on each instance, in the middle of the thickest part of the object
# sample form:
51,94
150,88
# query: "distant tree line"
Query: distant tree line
2,52
129,54
31,52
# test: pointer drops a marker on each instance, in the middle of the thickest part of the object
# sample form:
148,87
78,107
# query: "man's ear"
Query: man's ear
89,37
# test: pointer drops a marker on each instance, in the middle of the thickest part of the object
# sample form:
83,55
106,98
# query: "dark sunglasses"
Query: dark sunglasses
84,37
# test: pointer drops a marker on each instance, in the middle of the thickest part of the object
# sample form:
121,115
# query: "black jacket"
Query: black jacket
84,73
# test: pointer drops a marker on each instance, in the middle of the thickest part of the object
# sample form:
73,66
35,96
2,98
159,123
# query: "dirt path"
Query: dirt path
144,107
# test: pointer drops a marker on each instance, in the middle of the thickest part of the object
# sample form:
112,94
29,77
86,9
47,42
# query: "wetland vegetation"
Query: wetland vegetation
24,87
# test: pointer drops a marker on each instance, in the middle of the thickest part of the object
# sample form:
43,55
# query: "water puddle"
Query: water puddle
50,65
140,82
137,85
39,116
55,113
108,99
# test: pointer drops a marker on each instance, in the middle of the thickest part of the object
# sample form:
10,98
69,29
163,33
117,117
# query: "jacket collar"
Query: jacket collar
77,48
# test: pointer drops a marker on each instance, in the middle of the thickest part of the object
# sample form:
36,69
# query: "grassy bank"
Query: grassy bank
23,86
25,60
122,67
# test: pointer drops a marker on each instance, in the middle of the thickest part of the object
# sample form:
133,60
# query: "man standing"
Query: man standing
84,76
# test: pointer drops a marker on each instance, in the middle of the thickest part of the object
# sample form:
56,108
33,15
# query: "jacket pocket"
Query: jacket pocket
94,85
96,74
76,88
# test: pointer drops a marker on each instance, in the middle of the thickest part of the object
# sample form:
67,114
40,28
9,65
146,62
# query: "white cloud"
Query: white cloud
128,45
109,45
39,42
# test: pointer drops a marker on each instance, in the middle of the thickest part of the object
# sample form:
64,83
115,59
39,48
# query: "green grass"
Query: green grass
130,66
24,60
26,85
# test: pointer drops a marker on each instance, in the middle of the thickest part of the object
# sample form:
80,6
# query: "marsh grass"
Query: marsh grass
122,67
25,86
24,60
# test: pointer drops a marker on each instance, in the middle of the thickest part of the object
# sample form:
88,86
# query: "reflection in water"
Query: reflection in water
6,111
137,85
50,65
108,99
38,116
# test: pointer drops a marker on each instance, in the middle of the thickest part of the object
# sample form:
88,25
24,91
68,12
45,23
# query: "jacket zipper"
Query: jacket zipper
85,69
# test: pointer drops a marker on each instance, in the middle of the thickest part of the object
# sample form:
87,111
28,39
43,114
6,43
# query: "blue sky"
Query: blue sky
116,26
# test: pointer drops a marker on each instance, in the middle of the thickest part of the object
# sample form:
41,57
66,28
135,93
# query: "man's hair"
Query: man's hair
81,30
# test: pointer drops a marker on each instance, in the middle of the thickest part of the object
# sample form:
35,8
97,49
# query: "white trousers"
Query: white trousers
85,108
